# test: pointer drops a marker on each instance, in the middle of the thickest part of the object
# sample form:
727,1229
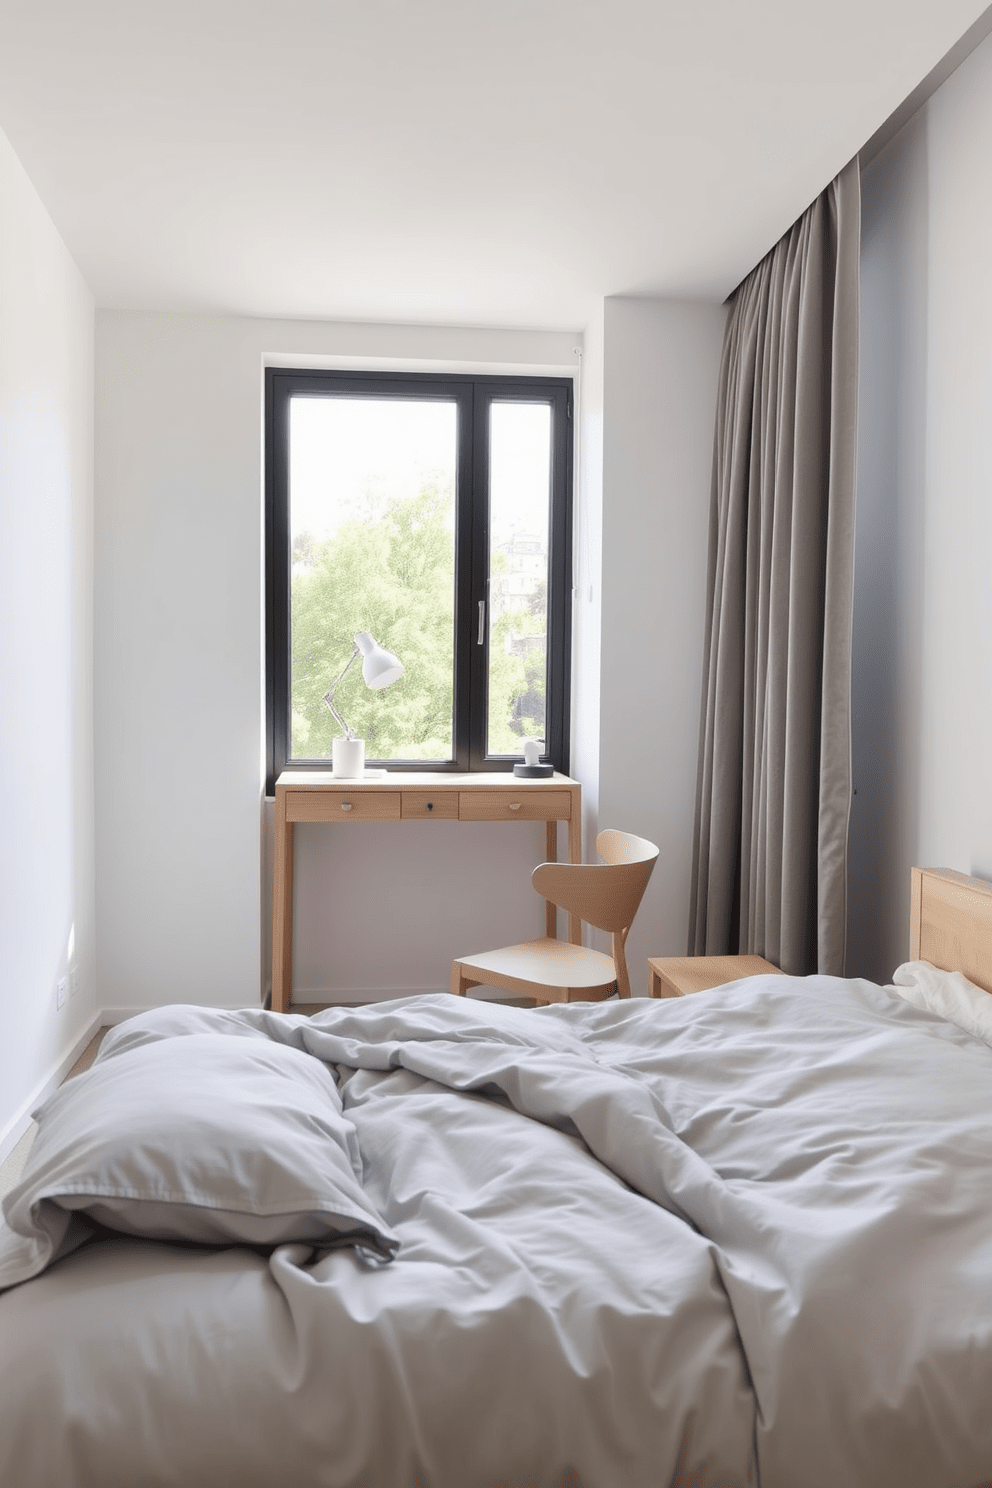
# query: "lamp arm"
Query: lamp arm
349,732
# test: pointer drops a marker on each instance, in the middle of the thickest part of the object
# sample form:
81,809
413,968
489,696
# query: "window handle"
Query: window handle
482,623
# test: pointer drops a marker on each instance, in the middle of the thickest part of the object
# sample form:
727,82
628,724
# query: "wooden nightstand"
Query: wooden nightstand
678,976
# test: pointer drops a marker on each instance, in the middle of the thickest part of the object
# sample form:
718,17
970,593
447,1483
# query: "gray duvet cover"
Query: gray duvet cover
742,1238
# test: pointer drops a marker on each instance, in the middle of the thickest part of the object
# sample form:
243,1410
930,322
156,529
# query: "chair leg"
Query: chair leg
620,962
460,980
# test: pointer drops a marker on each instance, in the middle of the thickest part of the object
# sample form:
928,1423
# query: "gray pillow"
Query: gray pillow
177,1018
207,1137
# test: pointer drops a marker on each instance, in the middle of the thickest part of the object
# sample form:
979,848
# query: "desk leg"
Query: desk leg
282,910
575,856
551,910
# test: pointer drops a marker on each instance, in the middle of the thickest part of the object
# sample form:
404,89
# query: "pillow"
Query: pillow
182,1018
207,1137
948,994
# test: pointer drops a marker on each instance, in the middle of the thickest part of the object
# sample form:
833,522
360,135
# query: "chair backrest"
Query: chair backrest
604,894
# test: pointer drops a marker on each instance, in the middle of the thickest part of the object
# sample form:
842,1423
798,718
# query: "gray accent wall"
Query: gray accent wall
923,606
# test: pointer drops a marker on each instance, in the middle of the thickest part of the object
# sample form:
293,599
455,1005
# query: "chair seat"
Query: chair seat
605,895
551,963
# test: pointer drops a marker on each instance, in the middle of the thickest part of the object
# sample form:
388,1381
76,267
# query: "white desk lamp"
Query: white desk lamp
379,668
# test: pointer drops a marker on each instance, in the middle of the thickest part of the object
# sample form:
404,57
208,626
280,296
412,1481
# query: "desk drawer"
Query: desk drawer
510,805
423,805
342,805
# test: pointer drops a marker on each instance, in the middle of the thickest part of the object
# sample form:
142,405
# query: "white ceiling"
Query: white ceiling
446,161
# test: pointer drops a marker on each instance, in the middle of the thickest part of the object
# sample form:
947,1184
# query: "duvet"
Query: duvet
741,1238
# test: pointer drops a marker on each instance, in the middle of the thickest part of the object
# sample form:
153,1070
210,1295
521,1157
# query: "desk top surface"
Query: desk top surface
420,780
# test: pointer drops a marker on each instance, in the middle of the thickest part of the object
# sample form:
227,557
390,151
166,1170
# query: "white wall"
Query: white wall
923,632
182,910
588,569
662,362
46,735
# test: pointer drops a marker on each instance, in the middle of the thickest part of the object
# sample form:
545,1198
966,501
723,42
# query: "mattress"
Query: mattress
741,1238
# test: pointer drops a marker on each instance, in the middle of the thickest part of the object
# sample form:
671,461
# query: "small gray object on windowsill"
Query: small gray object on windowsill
531,768
533,772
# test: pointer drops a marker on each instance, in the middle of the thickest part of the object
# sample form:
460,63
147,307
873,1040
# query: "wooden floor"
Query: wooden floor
89,1053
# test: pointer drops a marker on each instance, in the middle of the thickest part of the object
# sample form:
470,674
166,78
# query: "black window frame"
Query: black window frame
473,395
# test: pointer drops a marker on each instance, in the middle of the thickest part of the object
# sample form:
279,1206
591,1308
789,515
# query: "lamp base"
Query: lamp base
348,759
533,772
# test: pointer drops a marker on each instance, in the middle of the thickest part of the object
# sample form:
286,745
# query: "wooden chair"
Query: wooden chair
605,895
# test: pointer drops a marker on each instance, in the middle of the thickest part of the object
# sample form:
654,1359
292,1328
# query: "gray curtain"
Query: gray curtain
774,784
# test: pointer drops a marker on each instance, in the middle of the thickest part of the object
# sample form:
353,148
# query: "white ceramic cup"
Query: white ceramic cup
348,758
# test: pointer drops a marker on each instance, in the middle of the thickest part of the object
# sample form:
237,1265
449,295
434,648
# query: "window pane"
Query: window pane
519,514
372,516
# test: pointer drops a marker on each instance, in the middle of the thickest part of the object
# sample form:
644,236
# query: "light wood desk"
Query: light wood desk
316,796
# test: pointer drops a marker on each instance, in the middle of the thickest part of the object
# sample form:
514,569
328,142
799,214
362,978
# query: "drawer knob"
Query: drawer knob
514,805
430,805
345,805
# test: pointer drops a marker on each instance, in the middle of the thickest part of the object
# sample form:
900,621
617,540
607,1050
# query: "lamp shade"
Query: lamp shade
379,666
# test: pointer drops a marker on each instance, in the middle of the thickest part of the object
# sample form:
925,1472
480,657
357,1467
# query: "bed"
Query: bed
737,1239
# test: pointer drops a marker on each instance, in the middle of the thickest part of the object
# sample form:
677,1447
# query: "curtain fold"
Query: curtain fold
773,795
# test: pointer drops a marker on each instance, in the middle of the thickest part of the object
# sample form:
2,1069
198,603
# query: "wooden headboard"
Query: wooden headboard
950,923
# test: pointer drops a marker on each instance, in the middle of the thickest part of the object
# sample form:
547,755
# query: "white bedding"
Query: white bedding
738,1238
948,994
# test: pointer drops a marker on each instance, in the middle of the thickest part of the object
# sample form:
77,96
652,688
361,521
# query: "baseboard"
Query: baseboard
21,1120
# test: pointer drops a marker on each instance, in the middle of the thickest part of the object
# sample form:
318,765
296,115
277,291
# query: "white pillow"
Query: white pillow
206,1137
948,994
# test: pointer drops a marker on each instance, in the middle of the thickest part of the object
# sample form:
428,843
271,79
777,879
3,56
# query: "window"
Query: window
435,513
